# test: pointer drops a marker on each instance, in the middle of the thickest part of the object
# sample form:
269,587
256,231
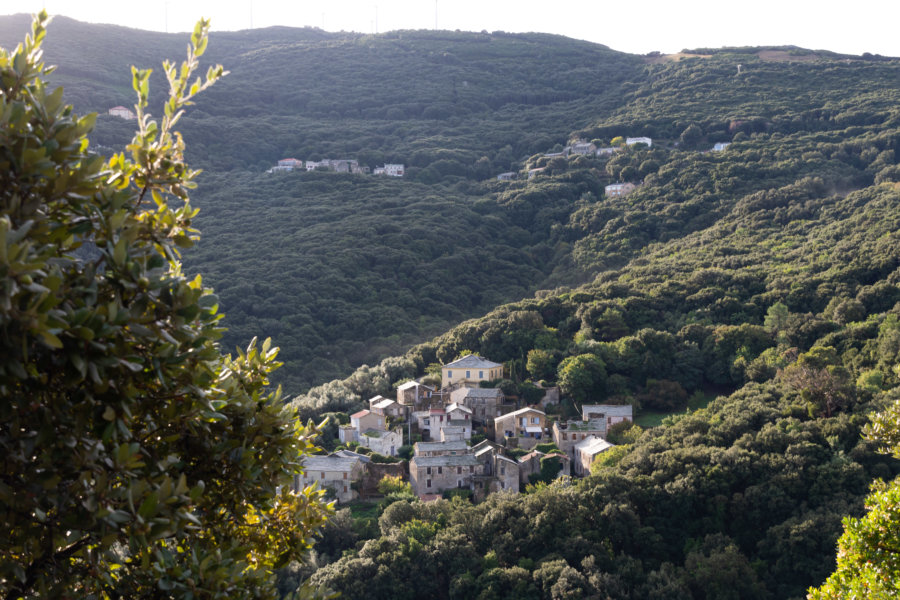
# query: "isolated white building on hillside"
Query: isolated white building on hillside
638,140
122,112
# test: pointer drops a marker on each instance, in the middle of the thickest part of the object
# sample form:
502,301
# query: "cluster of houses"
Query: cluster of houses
445,418
338,165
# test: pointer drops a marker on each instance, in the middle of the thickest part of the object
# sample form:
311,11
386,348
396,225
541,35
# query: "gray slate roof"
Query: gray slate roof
460,460
472,361
456,446
607,410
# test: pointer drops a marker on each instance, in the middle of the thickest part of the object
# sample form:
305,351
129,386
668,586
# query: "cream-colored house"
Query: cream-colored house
333,472
366,419
470,370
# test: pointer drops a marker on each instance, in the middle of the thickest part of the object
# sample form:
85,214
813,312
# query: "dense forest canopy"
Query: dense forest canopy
765,276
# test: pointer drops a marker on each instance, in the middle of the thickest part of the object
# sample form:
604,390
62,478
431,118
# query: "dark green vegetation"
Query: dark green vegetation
768,273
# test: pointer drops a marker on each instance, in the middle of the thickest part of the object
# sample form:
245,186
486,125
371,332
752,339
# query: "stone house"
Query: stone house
470,371
484,403
530,464
386,407
583,148
436,474
413,394
567,435
586,451
609,414
381,441
498,471
508,176
336,473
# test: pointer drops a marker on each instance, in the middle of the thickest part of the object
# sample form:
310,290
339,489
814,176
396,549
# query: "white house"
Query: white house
394,170
122,112
616,190
720,146
638,140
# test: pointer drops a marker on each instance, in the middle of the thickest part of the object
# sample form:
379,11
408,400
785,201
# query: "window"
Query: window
534,420
471,469
345,489
564,436
322,475
503,470
427,483
440,470
480,374
468,374
428,471
449,374
345,476
459,470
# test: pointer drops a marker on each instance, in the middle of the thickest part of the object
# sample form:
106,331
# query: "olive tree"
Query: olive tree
138,460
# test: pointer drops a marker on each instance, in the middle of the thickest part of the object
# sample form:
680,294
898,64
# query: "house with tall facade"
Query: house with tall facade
583,148
498,471
566,435
414,395
436,474
470,371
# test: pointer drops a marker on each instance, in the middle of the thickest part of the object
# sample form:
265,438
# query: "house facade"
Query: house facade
414,394
366,419
608,414
470,370
452,448
336,473
526,425
568,434
484,403
382,442
436,474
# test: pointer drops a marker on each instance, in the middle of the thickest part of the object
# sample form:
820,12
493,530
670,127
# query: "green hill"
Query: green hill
766,275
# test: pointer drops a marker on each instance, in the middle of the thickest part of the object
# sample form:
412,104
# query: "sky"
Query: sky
635,26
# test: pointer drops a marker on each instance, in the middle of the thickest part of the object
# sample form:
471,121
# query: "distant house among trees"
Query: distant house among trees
638,140
122,112
610,150
393,170
585,453
508,176
331,472
286,165
720,146
583,148
616,190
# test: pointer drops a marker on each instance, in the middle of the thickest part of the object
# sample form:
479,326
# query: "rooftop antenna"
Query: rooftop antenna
251,15
376,19
435,14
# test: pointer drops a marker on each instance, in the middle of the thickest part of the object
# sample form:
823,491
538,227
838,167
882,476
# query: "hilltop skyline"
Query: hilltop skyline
628,27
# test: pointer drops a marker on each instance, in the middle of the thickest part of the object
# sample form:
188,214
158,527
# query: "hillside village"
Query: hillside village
461,438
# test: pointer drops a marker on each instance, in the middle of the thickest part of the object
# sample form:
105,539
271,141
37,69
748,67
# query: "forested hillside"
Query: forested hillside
765,276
